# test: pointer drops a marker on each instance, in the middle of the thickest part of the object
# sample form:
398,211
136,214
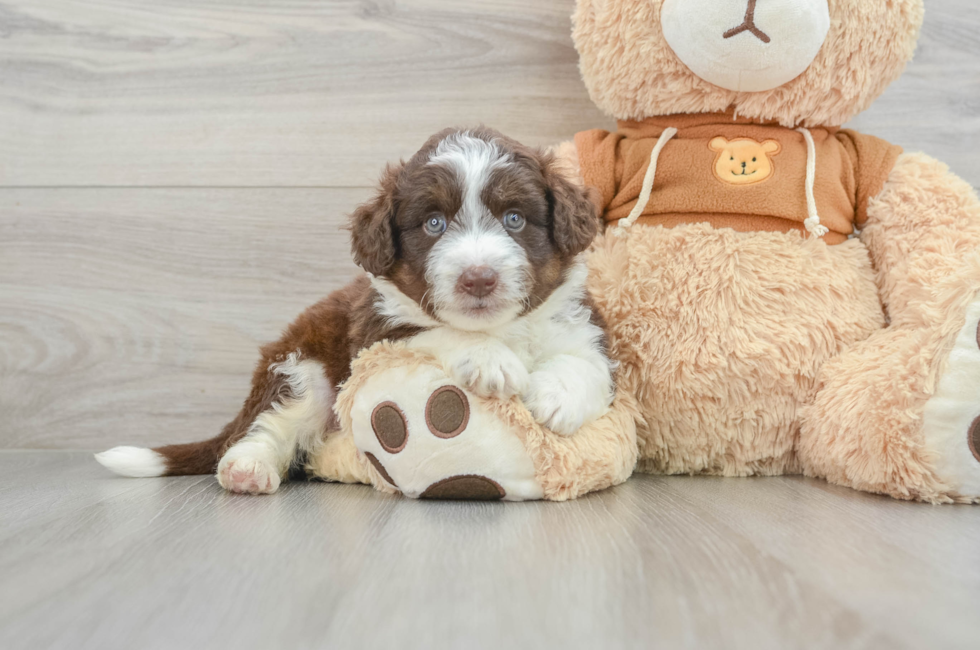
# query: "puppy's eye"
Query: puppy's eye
513,222
435,225
753,159
732,158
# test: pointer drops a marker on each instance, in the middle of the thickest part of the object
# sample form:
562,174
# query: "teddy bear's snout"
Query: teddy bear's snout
748,45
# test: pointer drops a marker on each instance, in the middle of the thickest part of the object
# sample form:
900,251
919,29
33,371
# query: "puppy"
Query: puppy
473,252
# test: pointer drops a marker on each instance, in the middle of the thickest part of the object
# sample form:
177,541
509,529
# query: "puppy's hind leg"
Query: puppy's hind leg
281,434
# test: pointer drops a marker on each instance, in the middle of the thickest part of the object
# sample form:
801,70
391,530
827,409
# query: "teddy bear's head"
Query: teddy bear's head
799,62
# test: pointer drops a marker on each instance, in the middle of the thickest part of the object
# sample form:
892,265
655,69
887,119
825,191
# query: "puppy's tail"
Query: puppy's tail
172,460
269,386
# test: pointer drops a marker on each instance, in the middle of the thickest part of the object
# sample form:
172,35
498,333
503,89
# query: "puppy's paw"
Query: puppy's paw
553,405
248,475
490,371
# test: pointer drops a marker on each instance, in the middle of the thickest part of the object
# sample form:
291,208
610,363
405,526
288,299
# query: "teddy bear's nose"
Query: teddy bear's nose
748,25
743,165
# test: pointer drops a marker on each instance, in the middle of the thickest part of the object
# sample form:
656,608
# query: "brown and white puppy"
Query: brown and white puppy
473,252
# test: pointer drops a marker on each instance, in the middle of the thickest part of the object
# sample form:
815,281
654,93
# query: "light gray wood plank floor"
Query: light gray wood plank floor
88,560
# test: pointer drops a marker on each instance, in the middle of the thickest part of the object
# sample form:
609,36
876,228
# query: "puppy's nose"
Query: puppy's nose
743,165
477,281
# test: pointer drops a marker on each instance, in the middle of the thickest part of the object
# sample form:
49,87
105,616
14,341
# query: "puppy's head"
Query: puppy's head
476,229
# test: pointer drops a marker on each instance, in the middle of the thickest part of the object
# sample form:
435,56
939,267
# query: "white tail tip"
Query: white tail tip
137,462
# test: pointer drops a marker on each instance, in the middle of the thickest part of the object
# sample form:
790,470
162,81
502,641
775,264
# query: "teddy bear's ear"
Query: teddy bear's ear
575,216
371,226
718,144
771,146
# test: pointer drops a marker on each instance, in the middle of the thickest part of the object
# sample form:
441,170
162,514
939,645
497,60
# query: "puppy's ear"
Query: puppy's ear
372,226
575,216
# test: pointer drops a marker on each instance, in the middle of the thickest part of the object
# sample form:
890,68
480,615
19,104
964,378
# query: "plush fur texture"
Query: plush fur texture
767,353
865,428
721,335
599,455
632,73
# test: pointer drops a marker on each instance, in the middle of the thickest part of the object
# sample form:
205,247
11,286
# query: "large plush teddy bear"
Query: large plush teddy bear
784,296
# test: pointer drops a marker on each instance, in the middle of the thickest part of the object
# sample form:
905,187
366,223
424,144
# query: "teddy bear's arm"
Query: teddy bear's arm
923,234
887,417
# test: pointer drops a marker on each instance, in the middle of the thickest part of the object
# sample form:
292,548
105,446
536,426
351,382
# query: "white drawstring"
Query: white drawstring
641,202
812,222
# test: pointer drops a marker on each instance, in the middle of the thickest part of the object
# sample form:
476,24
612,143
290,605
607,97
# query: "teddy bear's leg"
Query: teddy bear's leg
898,412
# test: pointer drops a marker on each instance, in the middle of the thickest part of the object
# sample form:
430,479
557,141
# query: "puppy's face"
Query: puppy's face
475,228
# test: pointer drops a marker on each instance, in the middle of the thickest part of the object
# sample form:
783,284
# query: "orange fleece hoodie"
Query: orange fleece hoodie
740,173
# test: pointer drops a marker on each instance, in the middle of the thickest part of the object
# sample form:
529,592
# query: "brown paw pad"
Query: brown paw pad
469,486
447,412
381,468
390,427
973,438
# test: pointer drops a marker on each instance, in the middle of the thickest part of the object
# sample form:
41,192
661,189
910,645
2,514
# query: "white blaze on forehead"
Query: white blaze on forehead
473,160
475,237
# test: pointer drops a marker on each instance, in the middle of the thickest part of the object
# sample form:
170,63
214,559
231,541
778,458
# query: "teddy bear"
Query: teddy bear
782,295
405,427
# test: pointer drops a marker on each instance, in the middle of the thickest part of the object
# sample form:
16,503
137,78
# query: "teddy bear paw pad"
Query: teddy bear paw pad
381,468
974,439
389,426
465,487
430,438
447,412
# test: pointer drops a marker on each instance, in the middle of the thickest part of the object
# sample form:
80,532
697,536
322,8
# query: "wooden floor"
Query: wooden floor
173,181
88,560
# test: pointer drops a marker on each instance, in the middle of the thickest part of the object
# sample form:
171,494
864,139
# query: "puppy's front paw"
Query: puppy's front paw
491,371
247,475
553,405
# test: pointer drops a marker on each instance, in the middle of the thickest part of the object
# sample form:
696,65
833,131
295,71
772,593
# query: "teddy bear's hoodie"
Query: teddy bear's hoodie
717,161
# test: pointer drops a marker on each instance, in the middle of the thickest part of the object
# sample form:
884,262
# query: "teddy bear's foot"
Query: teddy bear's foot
431,439
884,420
951,418
407,426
